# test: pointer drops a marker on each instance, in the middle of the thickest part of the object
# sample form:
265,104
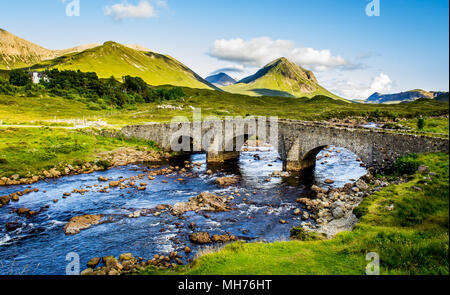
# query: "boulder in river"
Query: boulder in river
200,238
26,211
12,226
192,225
114,183
78,223
203,202
227,181
5,200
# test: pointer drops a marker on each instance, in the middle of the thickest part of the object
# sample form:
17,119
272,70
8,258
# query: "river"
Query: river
40,246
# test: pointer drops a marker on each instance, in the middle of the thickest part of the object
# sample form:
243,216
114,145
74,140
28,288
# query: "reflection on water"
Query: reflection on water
40,246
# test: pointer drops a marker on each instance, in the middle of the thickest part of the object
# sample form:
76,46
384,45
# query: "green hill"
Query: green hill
281,78
113,59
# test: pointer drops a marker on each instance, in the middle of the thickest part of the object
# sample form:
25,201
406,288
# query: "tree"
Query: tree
19,78
421,123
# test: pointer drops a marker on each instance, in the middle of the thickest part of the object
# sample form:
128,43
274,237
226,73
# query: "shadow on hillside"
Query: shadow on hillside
270,92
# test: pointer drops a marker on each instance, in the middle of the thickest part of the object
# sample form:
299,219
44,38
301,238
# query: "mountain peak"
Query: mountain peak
281,77
286,69
17,52
220,79
278,61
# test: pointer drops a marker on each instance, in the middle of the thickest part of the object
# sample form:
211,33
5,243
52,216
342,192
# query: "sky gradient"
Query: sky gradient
352,54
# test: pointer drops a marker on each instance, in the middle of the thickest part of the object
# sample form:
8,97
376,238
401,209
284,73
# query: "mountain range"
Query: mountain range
108,59
220,80
411,95
278,78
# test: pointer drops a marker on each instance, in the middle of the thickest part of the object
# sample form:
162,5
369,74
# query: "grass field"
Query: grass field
411,239
434,125
29,151
21,110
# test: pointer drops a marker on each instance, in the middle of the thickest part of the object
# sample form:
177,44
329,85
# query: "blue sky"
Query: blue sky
352,54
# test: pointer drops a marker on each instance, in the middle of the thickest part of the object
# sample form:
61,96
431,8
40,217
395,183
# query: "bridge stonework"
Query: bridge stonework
297,142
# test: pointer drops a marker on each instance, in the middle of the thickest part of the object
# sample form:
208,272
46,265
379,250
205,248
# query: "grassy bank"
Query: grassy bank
434,125
19,110
29,151
413,238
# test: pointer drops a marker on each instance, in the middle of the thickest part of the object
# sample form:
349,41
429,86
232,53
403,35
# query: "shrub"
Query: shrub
19,78
406,165
421,123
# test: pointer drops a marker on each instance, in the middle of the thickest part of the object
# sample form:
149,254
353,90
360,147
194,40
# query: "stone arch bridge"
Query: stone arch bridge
297,142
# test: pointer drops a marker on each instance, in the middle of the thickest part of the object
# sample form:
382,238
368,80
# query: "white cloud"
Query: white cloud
141,10
319,60
381,83
258,52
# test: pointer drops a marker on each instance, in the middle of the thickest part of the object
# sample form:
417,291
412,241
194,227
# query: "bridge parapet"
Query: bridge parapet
297,142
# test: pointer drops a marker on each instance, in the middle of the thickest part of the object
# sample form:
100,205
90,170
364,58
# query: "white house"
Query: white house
37,76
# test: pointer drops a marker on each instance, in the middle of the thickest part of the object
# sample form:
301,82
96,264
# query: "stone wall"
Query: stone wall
297,142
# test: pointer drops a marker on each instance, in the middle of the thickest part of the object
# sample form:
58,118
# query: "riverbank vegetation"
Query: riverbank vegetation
29,151
406,224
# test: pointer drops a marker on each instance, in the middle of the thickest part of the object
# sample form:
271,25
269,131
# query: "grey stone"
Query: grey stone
300,141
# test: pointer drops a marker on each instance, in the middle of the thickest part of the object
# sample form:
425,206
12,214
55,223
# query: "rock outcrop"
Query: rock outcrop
203,202
78,223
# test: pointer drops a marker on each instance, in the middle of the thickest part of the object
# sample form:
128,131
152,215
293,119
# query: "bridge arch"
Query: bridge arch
304,150
185,144
298,141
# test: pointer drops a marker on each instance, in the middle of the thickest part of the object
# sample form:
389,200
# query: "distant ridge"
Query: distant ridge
281,77
16,52
411,95
443,97
220,80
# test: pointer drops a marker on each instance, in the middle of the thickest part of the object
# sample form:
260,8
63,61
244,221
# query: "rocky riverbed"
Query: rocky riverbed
164,214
